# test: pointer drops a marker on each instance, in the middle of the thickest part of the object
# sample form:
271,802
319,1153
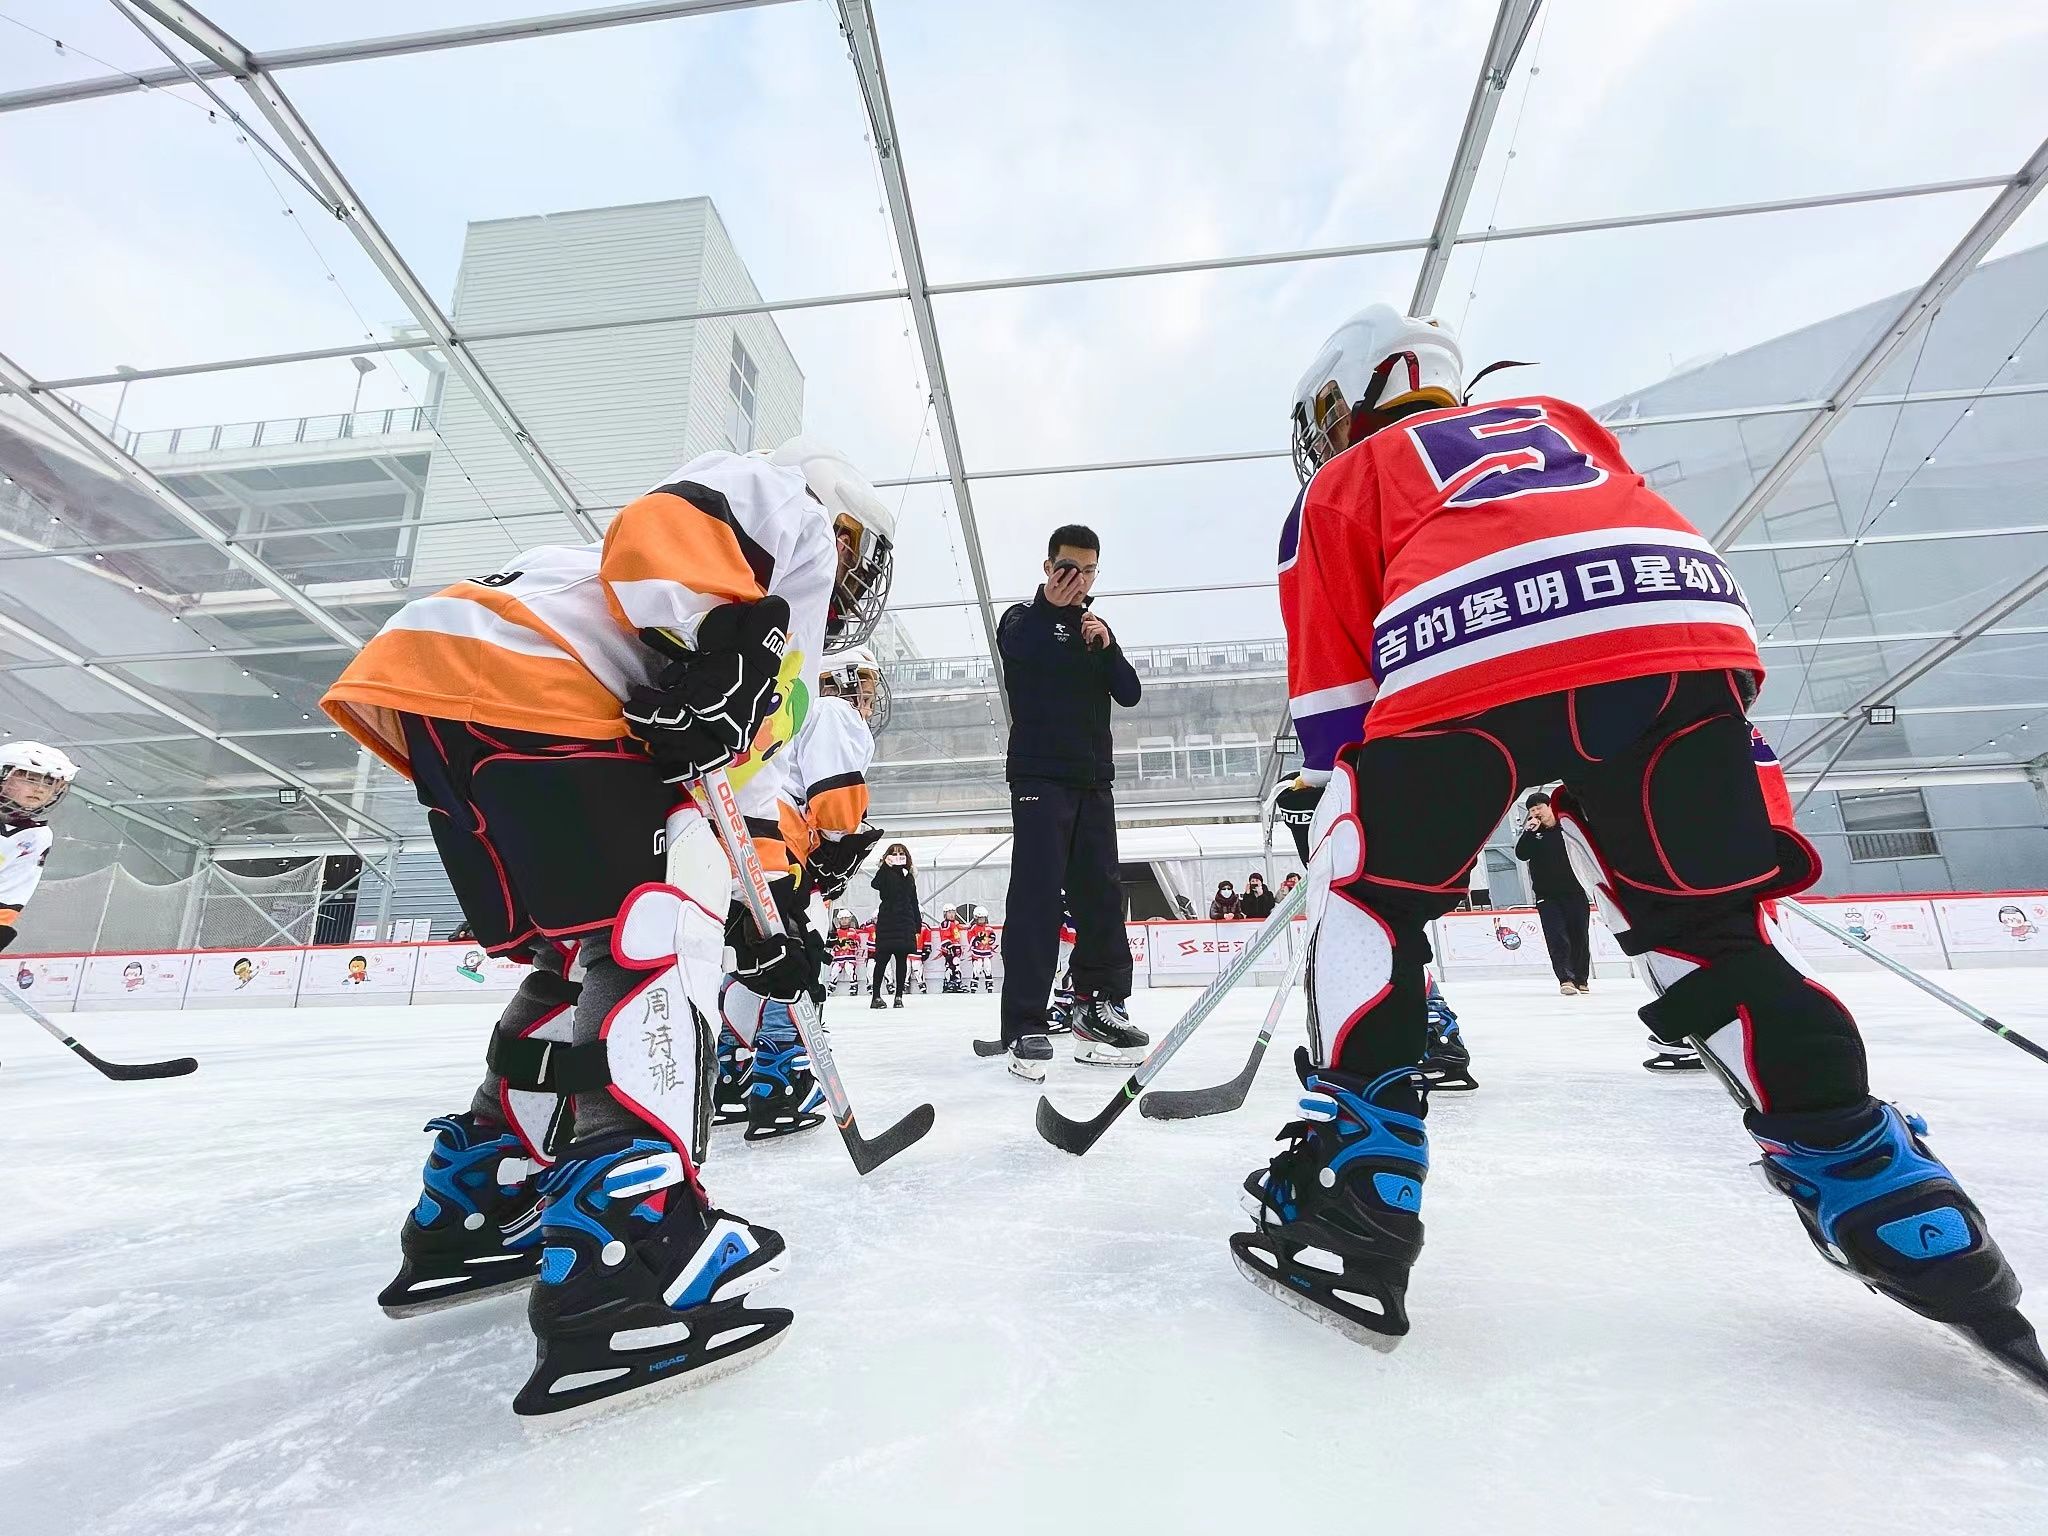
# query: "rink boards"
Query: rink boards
1932,932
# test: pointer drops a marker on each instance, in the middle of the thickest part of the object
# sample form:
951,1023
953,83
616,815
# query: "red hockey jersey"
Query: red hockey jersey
1465,558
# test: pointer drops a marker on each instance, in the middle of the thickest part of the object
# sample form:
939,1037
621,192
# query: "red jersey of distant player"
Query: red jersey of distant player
924,939
867,938
981,941
1461,559
951,936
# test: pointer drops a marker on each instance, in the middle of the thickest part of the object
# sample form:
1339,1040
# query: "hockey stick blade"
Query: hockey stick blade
1077,1136
869,1155
1194,1103
136,1071
119,1071
989,1048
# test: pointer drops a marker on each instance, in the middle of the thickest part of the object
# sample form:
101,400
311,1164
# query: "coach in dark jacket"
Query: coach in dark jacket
1560,899
1062,669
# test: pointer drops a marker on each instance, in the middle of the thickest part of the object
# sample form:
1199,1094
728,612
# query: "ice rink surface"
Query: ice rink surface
1617,1329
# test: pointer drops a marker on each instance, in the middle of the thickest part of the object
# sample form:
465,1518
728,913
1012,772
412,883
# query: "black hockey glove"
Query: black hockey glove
8,934
1295,807
836,860
785,967
709,703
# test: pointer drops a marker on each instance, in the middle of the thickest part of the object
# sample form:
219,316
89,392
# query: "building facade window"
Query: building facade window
741,378
1887,824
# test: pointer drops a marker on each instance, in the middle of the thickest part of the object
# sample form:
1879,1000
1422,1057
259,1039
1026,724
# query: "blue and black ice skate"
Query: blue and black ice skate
782,1094
1446,1060
1337,1212
475,1231
729,1090
1878,1204
642,1285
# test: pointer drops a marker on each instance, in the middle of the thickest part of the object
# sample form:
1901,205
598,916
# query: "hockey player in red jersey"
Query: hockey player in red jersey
1484,597
982,941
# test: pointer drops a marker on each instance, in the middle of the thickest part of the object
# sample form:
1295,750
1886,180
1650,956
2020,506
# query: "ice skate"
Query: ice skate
1877,1203
729,1092
1058,1014
641,1285
1103,1034
1669,1057
1028,1056
783,1097
475,1231
1336,1211
1446,1060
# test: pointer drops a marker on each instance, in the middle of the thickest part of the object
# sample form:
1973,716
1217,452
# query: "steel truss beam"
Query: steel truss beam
1057,279
103,448
1925,663
1510,30
305,147
193,727
1918,312
857,22
381,48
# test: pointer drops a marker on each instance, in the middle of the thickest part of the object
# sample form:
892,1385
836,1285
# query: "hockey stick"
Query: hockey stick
1077,1136
1194,1103
714,793
120,1072
1907,973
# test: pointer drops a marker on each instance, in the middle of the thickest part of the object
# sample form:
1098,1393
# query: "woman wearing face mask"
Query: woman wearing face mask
1257,902
1223,908
896,920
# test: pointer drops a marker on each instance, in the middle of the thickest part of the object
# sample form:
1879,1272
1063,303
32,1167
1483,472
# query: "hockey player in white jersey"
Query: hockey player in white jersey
33,778
608,677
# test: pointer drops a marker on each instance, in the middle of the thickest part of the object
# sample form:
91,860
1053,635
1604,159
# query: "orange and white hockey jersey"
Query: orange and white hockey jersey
828,765
24,849
551,644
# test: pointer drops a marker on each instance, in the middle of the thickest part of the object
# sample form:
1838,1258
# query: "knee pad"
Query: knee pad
534,1107
1717,1006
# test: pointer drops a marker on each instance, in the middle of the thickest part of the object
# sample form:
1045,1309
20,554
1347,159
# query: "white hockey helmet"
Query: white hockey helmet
864,529
843,918
856,676
977,914
1378,361
46,777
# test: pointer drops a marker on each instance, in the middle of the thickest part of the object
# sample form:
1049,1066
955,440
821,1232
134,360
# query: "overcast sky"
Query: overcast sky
1045,136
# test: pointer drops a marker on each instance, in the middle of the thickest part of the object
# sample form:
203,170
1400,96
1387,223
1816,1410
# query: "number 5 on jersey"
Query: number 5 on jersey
1516,450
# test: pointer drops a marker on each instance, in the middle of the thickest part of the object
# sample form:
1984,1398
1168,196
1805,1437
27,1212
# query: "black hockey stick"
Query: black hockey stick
1907,973
715,794
1077,1136
1194,1103
119,1071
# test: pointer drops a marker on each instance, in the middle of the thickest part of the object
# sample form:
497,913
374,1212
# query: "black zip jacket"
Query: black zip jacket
1060,692
1551,877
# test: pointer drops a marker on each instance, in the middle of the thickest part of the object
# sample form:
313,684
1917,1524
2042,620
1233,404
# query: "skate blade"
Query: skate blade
1461,1085
1286,1295
417,1303
2019,1358
1672,1066
1091,1060
1030,1071
805,1122
631,1396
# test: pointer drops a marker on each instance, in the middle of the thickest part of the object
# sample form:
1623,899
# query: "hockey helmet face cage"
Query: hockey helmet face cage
1378,366
863,532
855,676
867,565
33,778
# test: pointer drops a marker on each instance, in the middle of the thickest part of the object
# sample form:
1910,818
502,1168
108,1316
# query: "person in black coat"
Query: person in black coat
1561,902
1257,902
896,920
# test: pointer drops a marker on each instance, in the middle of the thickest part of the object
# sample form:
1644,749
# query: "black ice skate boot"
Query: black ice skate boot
729,1091
1446,1060
1346,1189
783,1096
642,1285
1877,1203
1103,1033
475,1231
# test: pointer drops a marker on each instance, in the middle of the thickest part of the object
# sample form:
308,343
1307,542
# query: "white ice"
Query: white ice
1617,1329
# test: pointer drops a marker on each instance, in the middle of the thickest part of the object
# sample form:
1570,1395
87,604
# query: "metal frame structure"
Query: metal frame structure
225,57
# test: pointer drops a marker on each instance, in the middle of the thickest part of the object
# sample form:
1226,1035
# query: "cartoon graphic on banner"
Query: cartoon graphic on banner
136,979
270,974
54,979
372,971
1993,925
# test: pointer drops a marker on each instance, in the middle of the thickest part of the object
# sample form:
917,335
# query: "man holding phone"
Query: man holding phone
1560,899
1062,669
